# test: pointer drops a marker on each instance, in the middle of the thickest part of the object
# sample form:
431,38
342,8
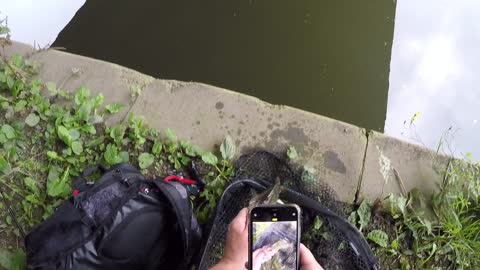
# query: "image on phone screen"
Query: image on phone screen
274,245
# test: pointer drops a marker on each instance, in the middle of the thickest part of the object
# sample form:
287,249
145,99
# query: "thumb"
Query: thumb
307,260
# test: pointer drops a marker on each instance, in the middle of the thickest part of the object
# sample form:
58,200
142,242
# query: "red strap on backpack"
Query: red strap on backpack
178,179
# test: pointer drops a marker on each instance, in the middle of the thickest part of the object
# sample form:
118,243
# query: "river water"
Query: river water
344,59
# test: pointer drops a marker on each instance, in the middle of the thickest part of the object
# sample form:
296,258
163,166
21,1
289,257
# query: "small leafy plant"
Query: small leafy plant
441,233
216,183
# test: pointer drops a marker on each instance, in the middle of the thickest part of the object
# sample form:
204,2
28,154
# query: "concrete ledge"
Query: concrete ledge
417,166
204,114
18,48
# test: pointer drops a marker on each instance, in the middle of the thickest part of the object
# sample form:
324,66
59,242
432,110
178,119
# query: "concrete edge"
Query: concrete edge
174,86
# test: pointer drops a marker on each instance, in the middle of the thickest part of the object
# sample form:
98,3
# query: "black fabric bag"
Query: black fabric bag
122,221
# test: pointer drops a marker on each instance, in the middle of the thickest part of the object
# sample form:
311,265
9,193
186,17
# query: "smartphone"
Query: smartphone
274,237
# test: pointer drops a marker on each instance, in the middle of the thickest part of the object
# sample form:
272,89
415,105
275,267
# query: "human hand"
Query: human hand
307,261
236,248
236,245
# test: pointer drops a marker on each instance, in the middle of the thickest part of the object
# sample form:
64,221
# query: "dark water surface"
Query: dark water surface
327,57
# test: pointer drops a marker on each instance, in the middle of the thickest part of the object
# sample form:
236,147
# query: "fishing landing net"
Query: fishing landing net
334,242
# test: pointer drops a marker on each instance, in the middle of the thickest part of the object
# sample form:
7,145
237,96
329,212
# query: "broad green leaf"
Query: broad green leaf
117,133
16,60
67,152
98,100
3,138
58,186
53,155
10,82
394,244
185,160
145,160
89,129
427,225
171,136
18,126
227,148
95,119
77,147
193,151
32,120
171,147
4,166
64,135
74,134
308,174
81,95
29,183
364,212
111,154
20,106
52,88
84,112
184,144
95,141
292,153
17,88
352,218
72,160
32,199
157,148
209,158
176,164
9,131
397,205
379,237
114,108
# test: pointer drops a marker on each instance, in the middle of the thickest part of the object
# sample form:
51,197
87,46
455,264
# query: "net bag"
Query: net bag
335,243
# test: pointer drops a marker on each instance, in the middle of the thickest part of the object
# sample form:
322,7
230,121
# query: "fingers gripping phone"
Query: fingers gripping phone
274,237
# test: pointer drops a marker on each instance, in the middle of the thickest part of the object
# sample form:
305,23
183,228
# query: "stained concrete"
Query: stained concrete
204,114
417,167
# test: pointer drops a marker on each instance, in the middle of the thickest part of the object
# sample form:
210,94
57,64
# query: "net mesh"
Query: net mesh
334,243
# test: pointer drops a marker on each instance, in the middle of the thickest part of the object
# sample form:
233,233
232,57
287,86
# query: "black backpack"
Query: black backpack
122,221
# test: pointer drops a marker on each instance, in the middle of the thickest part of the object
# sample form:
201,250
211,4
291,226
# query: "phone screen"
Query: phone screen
274,238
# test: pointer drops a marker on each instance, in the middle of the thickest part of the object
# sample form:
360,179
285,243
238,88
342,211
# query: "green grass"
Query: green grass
48,135
441,232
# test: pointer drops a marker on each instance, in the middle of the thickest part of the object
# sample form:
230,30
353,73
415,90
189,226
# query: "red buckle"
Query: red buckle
178,179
